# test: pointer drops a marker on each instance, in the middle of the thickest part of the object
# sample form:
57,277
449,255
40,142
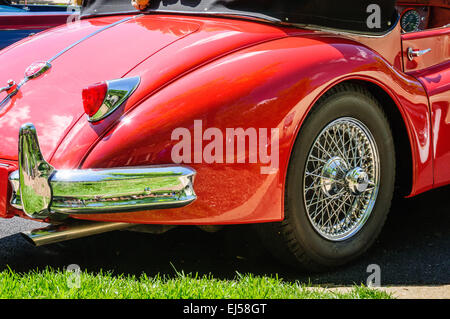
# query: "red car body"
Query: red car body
227,73
226,47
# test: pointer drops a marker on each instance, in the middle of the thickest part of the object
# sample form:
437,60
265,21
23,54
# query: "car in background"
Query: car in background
20,21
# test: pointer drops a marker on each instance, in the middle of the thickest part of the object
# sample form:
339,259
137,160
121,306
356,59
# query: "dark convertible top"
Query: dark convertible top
350,15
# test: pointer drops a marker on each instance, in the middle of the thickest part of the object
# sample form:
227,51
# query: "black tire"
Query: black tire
294,240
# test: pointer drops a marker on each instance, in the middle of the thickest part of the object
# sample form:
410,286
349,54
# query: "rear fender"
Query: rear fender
269,86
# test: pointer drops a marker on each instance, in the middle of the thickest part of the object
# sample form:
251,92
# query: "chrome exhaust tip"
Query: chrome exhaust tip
71,230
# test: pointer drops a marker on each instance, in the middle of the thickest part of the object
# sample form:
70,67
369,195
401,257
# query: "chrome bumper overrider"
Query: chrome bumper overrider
40,190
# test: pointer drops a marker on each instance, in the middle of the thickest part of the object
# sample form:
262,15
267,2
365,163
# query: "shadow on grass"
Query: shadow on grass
413,249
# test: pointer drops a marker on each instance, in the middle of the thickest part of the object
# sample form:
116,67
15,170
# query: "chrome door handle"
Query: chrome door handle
416,53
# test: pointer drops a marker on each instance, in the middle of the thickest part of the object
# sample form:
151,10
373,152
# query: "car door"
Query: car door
426,56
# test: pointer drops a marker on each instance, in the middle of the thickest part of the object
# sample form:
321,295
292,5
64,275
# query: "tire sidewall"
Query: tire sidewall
361,107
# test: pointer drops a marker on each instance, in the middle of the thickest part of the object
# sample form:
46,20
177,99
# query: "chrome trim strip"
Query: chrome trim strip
44,67
26,79
89,36
10,95
9,87
41,191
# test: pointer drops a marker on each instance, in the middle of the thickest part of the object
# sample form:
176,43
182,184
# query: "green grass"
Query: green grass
53,284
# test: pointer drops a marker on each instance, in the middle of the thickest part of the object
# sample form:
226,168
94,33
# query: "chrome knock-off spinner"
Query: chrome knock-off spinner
333,173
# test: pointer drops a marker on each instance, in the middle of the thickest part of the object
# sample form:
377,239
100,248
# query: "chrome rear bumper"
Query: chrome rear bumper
40,190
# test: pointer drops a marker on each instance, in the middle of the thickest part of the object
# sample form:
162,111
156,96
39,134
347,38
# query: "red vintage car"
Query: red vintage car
303,118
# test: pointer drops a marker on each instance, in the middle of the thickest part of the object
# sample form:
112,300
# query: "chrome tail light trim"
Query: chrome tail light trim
117,93
40,190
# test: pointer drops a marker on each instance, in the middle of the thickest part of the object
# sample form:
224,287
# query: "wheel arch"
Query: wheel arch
402,141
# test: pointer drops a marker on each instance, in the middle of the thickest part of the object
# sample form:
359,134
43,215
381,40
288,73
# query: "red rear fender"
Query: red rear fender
272,85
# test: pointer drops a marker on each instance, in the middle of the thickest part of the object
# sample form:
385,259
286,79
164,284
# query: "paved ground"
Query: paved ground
413,251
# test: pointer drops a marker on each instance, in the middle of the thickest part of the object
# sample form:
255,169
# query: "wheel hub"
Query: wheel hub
333,173
357,181
337,177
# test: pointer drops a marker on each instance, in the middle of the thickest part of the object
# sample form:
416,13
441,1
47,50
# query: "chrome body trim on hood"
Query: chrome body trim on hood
49,61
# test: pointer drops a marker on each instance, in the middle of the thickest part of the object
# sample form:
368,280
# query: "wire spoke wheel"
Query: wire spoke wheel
339,183
341,179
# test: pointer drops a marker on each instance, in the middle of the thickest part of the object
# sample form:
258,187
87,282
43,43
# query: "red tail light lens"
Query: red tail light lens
102,99
93,97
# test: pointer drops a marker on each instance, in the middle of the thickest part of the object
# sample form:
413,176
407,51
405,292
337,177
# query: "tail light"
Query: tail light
93,97
101,99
